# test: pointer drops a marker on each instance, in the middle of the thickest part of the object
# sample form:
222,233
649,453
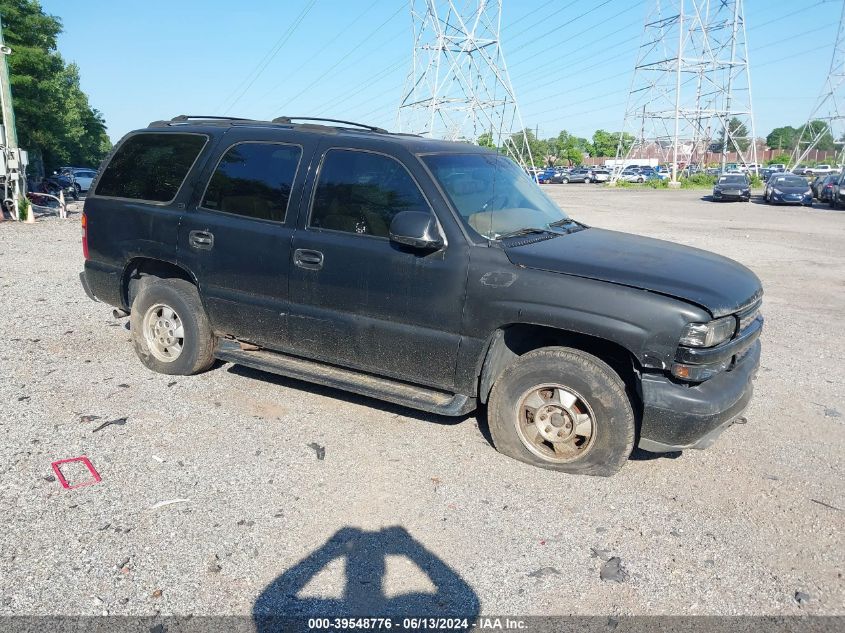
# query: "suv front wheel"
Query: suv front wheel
170,329
562,409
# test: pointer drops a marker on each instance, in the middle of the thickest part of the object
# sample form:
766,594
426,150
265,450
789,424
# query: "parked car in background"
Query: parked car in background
732,187
545,176
800,170
777,167
819,170
825,190
837,192
559,176
599,175
787,188
629,174
579,174
82,177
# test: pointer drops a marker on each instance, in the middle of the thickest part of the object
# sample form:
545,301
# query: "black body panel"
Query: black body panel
418,322
716,283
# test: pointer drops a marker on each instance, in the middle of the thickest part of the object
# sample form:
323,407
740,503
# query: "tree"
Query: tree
819,127
486,140
737,135
779,159
606,143
538,148
52,113
782,137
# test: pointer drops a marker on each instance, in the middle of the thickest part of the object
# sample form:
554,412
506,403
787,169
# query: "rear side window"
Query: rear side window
254,180
150,167
360,192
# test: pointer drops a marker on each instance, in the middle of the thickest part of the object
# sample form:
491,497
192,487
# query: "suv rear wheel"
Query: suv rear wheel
562,409
170,329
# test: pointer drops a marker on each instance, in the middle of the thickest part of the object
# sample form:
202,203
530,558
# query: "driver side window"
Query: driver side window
360,192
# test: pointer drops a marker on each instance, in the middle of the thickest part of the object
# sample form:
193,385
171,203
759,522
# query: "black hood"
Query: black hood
716,283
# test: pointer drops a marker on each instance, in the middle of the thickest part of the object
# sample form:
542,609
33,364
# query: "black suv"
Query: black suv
432,274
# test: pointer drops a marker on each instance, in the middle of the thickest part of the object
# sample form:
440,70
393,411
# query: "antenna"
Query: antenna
458,88
690,94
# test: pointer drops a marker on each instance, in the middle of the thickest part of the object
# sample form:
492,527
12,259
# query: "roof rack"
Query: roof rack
291,119
282,120
191,117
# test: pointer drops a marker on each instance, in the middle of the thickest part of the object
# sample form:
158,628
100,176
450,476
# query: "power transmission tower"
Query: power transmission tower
828,110
458,88
690,93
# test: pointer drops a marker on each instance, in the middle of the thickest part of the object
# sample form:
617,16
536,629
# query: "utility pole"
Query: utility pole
459,85
691,78
11,153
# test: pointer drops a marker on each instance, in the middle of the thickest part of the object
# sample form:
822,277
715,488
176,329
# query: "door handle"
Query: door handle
308,259
202,240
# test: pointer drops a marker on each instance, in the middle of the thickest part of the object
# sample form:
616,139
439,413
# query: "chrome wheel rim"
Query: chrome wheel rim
555,423
164,332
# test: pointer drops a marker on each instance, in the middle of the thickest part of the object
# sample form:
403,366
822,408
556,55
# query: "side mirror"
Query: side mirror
416,229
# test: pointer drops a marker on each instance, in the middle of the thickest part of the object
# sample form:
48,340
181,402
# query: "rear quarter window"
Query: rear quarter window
150,167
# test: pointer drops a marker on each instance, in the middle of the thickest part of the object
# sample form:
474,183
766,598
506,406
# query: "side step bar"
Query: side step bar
401,393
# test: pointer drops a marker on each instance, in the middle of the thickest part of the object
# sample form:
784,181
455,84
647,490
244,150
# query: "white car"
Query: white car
83,178
819,170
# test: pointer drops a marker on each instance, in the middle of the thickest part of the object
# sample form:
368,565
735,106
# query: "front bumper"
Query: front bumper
791,199
721,195
677,416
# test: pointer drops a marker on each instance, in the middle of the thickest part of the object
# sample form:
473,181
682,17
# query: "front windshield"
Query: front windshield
492,195
732,180
794,181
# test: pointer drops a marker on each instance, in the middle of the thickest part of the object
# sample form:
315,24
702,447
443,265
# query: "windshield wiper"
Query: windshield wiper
528,230
567,222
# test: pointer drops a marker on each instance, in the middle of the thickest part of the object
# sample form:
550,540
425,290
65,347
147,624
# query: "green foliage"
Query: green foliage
52,112
606,143
737,137
826,141
657,183
486,140
23,208
698,181
782,138
756,181
778,159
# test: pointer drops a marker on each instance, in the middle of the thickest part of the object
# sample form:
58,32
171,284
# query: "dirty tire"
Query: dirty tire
197,351
590,377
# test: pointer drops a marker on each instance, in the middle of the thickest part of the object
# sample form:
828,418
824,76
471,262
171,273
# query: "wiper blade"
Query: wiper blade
566,221
528,230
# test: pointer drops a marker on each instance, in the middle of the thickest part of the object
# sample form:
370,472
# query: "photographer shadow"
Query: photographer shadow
365,555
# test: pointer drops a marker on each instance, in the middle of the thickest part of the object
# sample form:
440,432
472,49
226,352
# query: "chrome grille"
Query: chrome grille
747,318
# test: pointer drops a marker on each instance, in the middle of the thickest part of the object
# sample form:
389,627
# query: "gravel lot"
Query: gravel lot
264,524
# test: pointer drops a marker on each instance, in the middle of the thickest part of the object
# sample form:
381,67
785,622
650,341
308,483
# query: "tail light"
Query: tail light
84,223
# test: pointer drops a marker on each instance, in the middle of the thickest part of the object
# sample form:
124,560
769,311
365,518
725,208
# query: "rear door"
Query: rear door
359,299
236,234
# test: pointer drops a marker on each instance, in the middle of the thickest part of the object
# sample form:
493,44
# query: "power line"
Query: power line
268,57
329,42
341,60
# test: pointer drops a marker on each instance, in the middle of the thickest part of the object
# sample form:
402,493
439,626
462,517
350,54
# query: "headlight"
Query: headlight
709,334
777,191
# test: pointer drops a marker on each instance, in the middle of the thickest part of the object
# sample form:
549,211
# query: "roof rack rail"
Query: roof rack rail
191,117
291,119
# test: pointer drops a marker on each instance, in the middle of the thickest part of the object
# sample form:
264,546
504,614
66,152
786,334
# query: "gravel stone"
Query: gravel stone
769,539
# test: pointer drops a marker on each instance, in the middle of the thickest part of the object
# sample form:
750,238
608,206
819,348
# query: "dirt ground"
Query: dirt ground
236,492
